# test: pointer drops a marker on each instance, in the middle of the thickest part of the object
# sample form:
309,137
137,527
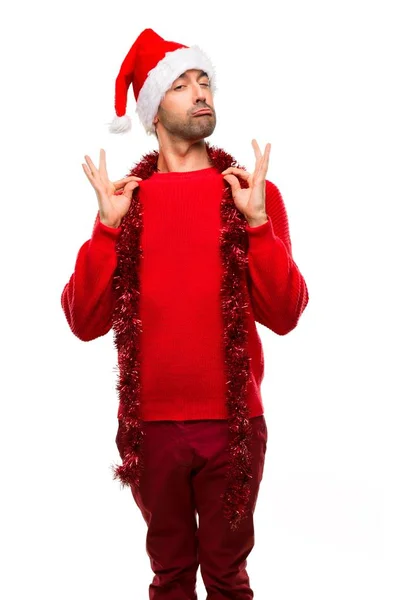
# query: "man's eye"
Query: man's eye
180,86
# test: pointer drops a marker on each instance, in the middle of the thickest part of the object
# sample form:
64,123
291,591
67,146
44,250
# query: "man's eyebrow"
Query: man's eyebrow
202,74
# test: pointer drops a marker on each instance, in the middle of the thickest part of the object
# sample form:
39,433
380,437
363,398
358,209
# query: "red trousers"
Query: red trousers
185,463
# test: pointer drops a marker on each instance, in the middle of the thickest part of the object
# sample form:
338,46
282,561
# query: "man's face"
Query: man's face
188,94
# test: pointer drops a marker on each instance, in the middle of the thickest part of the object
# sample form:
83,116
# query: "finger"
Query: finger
234,183
265,161
87,171
260,174
102,162
241,172
121,182
121,190
91,166
129,188
257,153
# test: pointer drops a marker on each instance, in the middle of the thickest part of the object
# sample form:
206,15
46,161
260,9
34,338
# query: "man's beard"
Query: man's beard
190,128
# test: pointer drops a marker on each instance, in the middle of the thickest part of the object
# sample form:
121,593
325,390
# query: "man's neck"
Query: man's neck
183,156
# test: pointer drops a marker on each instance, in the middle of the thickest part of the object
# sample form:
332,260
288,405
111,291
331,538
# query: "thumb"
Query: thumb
129,188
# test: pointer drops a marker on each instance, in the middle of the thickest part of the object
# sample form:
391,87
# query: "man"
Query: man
186,253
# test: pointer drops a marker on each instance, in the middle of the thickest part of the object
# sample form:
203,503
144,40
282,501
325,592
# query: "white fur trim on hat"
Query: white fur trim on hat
120,124
162,76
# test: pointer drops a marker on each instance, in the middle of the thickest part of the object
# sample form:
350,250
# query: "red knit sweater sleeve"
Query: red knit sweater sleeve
277,289
88,299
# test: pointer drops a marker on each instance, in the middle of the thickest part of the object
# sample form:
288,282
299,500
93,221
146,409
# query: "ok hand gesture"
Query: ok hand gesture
251,201
114,198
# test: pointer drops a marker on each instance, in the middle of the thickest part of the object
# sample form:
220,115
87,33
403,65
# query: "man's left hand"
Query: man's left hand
251,201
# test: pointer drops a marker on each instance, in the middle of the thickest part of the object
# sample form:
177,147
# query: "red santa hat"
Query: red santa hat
151,65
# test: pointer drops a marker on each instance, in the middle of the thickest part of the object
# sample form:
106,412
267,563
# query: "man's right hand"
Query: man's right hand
114,198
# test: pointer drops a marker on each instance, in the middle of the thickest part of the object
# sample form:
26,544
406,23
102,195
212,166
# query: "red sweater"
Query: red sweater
181,346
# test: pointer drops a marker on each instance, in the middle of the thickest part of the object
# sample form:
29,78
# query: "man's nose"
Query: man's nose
199,92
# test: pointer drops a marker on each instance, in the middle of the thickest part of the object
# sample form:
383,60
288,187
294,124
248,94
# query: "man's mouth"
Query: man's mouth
203,111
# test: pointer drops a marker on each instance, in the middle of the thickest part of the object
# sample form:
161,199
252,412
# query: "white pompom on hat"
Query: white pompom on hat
151,65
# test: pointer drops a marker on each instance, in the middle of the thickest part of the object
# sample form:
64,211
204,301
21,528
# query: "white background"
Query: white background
329,84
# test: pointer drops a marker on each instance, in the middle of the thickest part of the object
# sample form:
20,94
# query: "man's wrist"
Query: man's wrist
257,221
112,225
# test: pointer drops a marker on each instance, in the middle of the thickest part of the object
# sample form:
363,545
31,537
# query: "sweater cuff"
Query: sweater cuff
102,231
263,231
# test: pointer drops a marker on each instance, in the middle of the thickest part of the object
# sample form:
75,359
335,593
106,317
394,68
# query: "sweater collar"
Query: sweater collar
147,166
